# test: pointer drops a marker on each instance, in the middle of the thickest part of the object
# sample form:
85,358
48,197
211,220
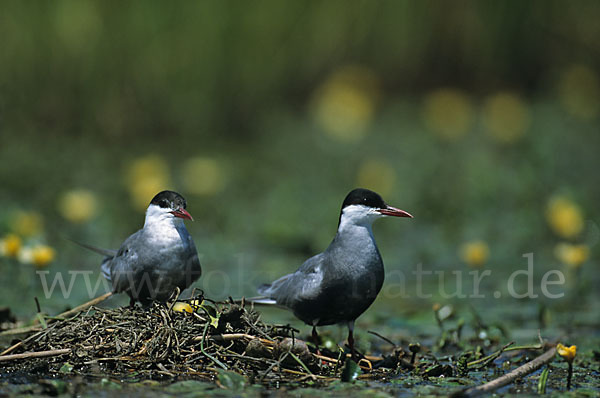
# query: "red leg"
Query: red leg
316,339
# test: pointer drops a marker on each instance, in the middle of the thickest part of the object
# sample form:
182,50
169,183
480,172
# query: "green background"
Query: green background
289,105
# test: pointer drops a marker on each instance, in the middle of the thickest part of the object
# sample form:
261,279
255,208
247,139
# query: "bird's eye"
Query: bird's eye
163,203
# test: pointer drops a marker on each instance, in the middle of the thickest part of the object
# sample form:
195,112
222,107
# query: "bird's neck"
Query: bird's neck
162,223
164,231
355,234
354,244
156,220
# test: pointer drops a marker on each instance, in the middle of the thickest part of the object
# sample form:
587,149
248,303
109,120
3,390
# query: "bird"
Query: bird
157,259
339,284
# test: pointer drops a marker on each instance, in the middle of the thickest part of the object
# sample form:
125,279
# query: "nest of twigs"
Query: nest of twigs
215,342
160,343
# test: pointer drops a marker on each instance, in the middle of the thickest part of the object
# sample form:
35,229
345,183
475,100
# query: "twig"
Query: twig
492,356
235,336
35,354
12,348
368,366
35,328
20,343
164,370
83,306
21,330
276,363
301,363
177,293
510,377
215,360
312,376
39,315
382,338
37,304
325,359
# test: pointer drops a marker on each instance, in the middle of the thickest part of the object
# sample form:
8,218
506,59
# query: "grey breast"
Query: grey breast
145,270
332,287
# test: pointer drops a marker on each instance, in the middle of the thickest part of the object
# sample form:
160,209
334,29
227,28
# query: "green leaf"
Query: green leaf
212,313
543,381
66,368
350,372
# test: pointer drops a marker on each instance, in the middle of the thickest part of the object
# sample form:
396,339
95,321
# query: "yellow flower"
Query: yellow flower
475,253
377,175
203,176
182,307
564,217
77,205
146,177
11,245
193,305
579,90
27,223
42,255
448,113
567,353
572,255
506,117
345,104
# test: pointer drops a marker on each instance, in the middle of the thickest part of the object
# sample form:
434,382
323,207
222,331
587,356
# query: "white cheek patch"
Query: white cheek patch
156,211
359,211
358,215
158,218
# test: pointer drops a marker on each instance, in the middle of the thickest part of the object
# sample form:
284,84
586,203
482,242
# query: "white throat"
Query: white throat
357,216
163,228
160,218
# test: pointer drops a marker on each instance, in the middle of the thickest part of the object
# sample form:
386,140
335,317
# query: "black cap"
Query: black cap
365,197
169,199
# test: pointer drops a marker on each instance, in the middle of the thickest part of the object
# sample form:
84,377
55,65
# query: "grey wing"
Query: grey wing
303,284
193,258
189,258
121,268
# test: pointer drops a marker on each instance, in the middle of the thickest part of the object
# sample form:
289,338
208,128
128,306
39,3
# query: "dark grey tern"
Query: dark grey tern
158,258
339,284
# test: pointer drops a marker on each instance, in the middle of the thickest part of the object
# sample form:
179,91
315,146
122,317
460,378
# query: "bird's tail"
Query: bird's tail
261,300
99,250
264,289
107,253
